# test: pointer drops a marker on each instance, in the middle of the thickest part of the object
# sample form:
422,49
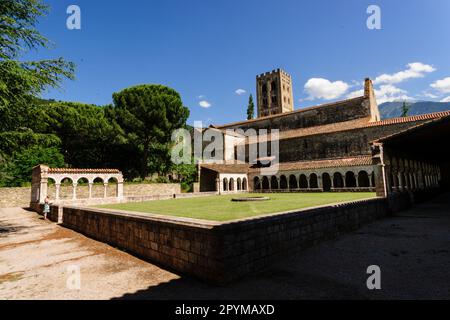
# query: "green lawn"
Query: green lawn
221,208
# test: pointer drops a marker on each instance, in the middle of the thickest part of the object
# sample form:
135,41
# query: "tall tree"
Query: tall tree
148,114
250,108
20,80
405,109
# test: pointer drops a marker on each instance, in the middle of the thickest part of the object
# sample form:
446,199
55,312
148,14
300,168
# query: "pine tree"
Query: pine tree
405,109
250,108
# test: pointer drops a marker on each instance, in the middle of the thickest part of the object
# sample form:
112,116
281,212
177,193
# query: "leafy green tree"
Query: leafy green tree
20,80
250,108
24,161
148,114
405,109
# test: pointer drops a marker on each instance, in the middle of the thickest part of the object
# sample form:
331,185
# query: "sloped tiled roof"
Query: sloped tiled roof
297,165
81,171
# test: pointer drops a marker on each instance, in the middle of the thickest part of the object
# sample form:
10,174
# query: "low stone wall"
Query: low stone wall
222,252
20,197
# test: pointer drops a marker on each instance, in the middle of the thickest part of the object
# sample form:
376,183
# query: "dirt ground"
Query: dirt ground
412,250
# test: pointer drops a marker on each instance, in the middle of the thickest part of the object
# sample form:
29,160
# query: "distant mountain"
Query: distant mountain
394,109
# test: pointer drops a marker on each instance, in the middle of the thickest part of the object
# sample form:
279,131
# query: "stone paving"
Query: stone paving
412,250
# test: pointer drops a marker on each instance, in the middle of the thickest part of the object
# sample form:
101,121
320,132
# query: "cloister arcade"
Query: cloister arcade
358,178
232,183
65,184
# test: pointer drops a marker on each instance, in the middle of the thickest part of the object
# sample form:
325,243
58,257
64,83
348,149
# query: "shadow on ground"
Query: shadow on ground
412,249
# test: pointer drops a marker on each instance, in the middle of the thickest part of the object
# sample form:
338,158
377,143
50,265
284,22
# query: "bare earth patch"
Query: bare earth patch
35,256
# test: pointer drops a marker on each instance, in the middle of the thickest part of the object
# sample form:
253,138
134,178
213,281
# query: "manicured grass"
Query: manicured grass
221,208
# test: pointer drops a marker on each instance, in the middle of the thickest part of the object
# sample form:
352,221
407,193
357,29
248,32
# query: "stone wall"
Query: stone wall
20,197
222,252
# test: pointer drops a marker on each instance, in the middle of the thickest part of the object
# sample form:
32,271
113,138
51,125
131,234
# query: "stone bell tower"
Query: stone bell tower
274,93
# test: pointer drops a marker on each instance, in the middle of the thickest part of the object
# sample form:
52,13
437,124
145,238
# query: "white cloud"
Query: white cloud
204,104
319,88
240,92
414,70
446,99
429,95
201,97
442,85
385,93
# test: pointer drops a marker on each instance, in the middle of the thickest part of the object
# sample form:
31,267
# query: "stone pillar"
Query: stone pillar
357,179
90,189
319,182
400,182
120,190
74,194
218,188
58,188
105,190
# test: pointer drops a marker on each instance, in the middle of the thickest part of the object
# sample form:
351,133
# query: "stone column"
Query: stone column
357,179
43,190
90,189
105,190
319,182
218,188
120,190
400,182
74,195
58,188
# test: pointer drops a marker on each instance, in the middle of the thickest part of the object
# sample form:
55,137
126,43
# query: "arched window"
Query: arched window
326,182
274,183
265,183
231,188
350,180
293,182
244,184
283,183
256,183
313,183
338,181
303,182
363,179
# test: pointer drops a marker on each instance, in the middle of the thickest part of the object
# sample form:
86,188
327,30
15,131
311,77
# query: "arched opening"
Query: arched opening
350,180
274,183
363,179
303,182
283,183
82,188
313,183
244,184
256,183
225,184
265,183
66,189
239,184
293,182
326,182
338,181
231,188
112,187
98,189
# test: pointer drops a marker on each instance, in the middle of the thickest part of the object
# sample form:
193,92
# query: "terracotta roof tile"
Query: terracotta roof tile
81,171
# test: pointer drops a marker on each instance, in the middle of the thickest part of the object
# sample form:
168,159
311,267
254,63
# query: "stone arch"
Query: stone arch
363,179
244,184
225,184
239,184
66,188
313,181
350,180
326,182
274,183
265,183
338,181
231,187
303,182
293,182
256,183
82,187
112,188
98,187
51,188
283,182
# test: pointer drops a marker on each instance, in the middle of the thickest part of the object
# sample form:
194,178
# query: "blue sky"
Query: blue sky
208,49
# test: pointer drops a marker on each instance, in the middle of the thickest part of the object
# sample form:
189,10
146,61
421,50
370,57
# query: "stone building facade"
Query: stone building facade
323,148
274,93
